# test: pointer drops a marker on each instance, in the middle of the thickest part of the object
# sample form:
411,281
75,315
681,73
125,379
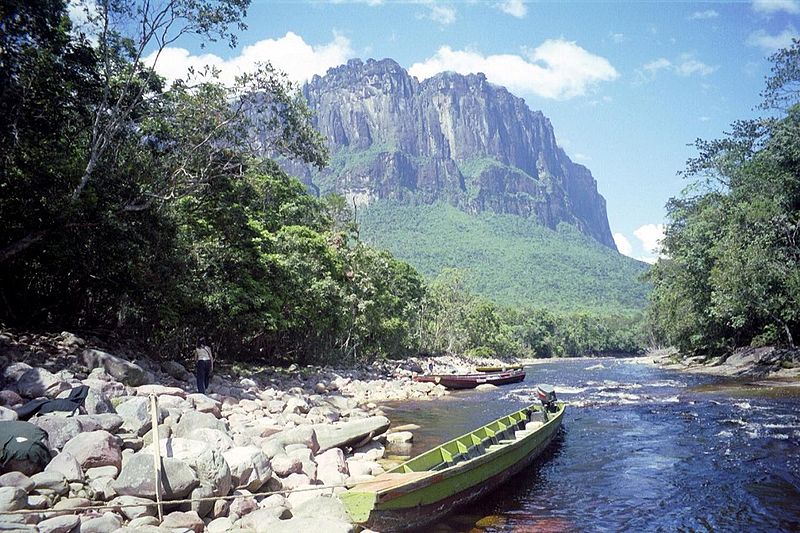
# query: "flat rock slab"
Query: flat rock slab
350,433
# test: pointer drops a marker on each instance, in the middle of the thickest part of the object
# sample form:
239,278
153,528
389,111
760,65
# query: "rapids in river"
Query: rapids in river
641,449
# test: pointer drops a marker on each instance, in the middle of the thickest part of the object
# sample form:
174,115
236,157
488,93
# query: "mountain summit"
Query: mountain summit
452,138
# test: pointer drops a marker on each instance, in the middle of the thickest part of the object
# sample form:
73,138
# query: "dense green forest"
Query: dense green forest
509,259
150,214
732,273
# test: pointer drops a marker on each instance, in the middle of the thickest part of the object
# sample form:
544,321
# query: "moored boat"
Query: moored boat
429,486
503,368
470,381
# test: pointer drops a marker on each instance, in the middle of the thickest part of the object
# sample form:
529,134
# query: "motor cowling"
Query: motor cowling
546,395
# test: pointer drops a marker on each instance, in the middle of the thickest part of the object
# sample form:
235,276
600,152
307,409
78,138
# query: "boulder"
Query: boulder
194,420
261,520
18,480
295,481
67,506
102,471
36,382
322,507
332,467
245,505
9,398
328,525
59,524
305,435
110,422
124,371
95,448
176,370
304,454
249,467
135,413
372,451
12,499
160,390
222,524
8,414
103,524
50,483
138,524
184,522
350,433
97,403
66,465
14,371
215,438
137,478
283,465
106,388
201,504
399,437
142,506
204,404
207,463
60,429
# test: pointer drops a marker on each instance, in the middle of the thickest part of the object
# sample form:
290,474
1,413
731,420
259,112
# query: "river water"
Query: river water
641,449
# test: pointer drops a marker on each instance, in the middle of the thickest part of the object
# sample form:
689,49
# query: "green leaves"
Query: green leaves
731,276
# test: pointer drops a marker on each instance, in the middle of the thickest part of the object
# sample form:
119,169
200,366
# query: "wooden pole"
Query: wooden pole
156,455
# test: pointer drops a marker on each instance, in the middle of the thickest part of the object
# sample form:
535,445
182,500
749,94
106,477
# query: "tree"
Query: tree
731,277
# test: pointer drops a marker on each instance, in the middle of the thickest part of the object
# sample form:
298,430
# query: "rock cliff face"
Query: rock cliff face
450,138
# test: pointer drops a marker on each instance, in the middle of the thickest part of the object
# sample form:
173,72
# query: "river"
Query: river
641,449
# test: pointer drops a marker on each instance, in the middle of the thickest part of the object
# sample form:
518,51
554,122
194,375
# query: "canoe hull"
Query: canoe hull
389,520
414,498
470,381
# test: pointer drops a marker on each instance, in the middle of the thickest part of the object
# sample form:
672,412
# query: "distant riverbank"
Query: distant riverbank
770,363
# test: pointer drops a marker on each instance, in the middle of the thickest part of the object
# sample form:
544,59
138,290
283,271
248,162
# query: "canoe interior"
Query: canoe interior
430,485
470,445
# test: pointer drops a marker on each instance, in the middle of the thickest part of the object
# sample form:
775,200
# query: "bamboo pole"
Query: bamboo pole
156,455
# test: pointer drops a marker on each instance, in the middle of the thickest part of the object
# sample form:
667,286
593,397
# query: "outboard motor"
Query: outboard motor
547,395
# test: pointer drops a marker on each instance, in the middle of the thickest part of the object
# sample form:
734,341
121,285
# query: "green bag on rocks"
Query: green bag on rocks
23,448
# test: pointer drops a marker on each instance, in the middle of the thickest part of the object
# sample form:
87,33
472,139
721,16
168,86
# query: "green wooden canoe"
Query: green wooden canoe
429,486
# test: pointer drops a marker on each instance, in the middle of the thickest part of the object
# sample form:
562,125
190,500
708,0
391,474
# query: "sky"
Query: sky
628,86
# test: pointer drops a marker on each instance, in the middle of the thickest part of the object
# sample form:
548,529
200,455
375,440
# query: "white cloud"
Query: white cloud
556,69
771,43
618,37
686,65
775,6
440,13
623,244
658,64
651,236
704,119
648,259
515,8
704,15
289,53
689,66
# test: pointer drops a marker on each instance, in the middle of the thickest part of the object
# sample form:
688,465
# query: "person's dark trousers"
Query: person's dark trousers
203,374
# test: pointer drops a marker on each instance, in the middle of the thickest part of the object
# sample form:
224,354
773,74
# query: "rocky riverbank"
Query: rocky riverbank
301,434
768,363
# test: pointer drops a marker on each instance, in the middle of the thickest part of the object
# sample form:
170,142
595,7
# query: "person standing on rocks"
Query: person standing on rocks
204,365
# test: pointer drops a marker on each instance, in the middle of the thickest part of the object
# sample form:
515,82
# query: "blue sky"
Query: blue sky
627,85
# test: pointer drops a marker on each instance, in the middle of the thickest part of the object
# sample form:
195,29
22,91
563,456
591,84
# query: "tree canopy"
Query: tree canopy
732,272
